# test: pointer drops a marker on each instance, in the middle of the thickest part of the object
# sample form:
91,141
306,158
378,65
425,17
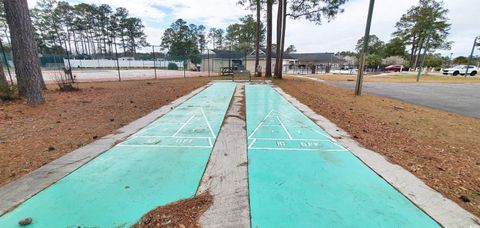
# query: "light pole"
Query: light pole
358,86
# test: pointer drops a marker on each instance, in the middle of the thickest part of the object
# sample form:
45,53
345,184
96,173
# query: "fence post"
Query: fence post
118,64
208,60
154,64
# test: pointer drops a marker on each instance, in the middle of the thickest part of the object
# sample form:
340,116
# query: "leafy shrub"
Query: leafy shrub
8,93
172,66
65,81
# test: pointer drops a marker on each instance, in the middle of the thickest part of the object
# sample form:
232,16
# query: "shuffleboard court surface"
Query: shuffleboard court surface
160,164
300,177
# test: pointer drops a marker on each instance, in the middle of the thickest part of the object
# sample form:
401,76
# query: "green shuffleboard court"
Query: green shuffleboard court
300,177
160,164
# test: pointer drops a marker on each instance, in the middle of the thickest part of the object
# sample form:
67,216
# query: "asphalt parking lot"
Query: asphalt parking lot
458,98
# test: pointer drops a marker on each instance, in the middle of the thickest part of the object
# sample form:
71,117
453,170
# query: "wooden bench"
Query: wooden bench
227,70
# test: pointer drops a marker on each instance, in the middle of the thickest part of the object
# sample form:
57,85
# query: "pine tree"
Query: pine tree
24,49
426,21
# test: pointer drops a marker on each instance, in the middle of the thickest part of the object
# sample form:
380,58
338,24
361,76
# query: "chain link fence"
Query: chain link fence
149,62
115,62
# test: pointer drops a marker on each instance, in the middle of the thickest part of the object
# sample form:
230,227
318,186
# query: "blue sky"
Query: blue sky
338,35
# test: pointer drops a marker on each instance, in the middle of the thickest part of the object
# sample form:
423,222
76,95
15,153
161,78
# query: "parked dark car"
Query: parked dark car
394,68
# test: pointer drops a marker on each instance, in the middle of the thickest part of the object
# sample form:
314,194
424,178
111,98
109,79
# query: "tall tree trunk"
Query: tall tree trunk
82,43
75,43
268,67
123,44
412,52
69,41
60,41
257,39
279,38
86,43
282,43
93,47
25,52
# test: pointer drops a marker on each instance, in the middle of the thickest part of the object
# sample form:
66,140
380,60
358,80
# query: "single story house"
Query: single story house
287,58
217,59
315,61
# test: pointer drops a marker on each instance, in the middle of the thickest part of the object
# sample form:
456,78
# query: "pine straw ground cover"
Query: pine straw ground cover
439,147
33,136
181,214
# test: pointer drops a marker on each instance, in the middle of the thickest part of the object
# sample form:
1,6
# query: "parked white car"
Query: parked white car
461,70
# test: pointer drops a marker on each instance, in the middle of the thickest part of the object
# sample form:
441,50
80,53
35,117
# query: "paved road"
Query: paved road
458,98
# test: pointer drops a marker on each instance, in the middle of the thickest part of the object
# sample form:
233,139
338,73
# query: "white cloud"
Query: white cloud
343,32
214,13
340,34
154,34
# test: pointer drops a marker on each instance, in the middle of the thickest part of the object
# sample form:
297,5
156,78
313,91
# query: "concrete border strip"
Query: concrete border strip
17,192
440,208
226,174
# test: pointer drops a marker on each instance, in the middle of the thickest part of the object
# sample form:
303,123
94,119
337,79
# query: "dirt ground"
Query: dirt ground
403,78
33,136
439,147
182,214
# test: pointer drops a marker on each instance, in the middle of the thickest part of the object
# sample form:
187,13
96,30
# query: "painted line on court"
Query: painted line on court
185,124
119,186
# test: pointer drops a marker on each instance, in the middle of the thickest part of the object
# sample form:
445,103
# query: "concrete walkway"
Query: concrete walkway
295,173
226,176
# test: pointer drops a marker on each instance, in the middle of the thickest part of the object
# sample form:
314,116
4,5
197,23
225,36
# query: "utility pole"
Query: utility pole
359,83
420,69
471,55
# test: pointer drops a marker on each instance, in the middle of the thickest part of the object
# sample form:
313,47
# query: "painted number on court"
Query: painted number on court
309,144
